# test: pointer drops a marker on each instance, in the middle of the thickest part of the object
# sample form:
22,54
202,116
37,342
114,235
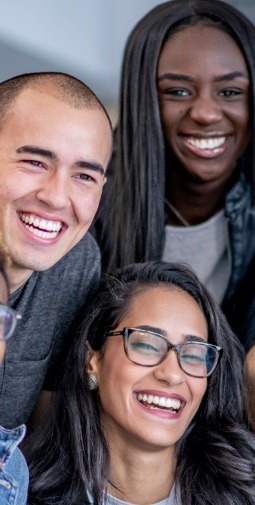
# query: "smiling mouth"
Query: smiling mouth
160,402
206,147
42,228
211,143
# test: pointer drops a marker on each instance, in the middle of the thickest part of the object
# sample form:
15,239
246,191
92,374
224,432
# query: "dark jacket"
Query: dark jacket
240,212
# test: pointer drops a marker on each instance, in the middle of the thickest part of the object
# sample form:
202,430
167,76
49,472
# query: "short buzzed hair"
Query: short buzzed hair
60,85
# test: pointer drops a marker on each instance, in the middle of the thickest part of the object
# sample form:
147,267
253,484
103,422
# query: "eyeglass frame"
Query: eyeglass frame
16,316
126,332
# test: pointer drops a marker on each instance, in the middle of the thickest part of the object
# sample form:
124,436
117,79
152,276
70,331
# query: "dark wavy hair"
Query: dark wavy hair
216,455
133,198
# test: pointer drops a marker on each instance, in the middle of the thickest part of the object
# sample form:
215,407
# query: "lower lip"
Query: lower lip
35,238
206,153
163,414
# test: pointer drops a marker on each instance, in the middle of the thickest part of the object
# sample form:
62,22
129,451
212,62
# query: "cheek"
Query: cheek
86,205
198,388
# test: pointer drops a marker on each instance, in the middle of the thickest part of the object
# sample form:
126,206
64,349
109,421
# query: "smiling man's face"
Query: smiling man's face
53,159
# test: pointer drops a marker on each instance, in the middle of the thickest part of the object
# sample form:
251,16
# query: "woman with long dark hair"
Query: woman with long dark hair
151,408
181,182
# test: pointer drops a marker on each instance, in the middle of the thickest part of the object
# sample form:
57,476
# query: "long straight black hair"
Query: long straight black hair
216,455
130,221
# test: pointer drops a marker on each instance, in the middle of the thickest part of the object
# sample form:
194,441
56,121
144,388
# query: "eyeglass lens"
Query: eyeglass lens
7,322
148,349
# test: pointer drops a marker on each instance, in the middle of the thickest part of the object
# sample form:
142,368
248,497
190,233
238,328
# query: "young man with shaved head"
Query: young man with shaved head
55,145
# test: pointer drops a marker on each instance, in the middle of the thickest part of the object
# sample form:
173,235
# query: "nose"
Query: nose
169,370
54,190
206,110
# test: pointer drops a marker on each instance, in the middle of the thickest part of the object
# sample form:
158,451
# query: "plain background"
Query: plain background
85,38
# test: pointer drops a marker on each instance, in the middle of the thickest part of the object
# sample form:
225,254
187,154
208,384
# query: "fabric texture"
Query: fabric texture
52,303
173,499
13,468
212,260
239,210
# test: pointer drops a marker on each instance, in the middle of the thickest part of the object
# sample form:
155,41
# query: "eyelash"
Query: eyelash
34,163
178,92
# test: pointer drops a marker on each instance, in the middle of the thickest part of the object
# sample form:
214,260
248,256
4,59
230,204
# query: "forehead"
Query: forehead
168,308
205,44
42,118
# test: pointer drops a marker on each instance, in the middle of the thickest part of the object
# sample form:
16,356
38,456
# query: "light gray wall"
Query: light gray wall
81,37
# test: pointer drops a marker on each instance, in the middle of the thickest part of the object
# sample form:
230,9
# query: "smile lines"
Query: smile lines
159,402
41,227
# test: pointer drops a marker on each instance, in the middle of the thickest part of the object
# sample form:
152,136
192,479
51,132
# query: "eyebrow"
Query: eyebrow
182,77
146,327
97,167
91,165
37,150
163,333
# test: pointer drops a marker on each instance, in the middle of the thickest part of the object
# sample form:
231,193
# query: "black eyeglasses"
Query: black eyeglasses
146,348
8,321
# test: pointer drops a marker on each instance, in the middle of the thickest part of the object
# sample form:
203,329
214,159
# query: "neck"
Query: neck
132,469
17,277
196,202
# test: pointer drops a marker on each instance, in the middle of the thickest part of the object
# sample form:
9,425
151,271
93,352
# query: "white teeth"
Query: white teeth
209,143
41,227
42,224
42,234
160,401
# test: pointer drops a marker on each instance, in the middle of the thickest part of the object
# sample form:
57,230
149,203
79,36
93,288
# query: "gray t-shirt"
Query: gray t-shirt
205,247
173,499
50,303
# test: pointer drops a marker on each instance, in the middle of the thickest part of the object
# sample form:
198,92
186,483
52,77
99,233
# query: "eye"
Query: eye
177,92
192,359
144,347
194,354
34,163
229,93
86,177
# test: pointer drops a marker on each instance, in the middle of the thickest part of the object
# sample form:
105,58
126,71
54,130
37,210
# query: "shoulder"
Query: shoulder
86,250
83,259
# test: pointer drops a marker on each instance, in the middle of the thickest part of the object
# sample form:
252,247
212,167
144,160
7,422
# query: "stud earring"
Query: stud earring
92,380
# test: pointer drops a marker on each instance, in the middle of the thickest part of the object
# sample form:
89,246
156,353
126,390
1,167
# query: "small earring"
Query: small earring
92,380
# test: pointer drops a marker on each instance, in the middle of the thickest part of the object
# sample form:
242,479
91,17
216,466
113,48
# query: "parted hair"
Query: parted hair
133,199
216,455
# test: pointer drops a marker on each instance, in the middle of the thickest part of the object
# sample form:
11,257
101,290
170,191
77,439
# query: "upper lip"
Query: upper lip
43,215
205,135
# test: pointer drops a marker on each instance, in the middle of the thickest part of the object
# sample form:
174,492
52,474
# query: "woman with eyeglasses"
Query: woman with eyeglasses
151,408
13,467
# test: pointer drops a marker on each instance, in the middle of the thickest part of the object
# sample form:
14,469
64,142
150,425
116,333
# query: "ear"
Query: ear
105,180
93,359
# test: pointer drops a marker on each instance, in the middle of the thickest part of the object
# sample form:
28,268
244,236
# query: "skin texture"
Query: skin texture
203,92
53,159
3,301
132,431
